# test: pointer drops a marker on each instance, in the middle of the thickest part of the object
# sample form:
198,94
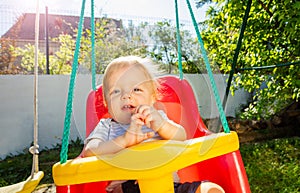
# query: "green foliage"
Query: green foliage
6,56
112,42
271,37
164,50
60,61
273,166
27,58
12,169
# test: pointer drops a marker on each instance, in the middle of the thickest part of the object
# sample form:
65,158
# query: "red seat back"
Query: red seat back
176,98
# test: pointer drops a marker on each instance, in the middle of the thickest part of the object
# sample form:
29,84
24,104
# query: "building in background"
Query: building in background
23,31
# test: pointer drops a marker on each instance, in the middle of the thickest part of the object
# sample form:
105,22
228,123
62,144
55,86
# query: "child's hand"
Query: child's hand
150,117
167,129
134,134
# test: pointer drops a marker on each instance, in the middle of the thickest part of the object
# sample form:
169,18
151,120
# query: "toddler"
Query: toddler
130,93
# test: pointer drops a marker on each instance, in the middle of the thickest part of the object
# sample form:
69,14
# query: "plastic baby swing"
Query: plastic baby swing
204,156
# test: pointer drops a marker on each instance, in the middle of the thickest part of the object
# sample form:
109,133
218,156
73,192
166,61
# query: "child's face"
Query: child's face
127,89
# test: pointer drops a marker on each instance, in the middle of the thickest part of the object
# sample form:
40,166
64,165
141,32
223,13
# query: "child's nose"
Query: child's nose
126,95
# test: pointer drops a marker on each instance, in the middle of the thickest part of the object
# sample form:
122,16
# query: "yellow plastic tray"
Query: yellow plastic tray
151,163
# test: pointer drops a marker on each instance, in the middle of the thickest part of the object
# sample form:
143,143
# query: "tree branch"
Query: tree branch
265,7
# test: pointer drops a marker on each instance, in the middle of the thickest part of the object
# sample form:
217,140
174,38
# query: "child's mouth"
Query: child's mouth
130,108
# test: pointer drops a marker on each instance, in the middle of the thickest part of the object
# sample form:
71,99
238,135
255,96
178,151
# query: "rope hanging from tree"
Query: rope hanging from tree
178,42
33,180
69,106
34,150
209,71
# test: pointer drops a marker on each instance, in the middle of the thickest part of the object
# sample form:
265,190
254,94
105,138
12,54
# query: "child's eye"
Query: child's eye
137,90
114,92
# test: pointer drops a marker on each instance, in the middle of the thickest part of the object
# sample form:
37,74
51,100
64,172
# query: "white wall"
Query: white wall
205,97
16,108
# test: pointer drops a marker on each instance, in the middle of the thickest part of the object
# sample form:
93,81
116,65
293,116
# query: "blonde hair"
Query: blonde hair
129,61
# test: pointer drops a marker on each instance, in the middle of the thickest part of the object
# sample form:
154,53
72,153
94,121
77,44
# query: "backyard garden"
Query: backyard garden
255,42
272,164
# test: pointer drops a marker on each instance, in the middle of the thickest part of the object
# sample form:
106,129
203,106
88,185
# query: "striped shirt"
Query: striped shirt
108,129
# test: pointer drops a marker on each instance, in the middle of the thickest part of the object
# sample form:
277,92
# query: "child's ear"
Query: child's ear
104,98
104,101
153,99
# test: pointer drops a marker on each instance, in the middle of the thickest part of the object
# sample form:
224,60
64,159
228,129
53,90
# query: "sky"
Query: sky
10,9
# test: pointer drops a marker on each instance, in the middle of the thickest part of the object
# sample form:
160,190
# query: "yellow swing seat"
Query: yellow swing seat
26,186
151,163
204,156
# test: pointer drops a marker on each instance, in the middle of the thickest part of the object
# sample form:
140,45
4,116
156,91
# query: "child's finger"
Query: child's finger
148,135
137,119
143,136
148,120
143,109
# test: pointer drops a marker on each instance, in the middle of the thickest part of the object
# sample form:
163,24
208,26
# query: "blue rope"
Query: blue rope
69,106
209,71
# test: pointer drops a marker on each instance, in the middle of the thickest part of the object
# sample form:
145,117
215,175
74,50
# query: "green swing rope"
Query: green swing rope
209,71
268,67
69,106
93,46
178,42
237,51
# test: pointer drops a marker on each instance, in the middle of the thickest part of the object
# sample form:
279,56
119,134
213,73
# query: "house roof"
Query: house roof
24,28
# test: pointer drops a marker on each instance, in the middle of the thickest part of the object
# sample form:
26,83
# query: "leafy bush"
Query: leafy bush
271,37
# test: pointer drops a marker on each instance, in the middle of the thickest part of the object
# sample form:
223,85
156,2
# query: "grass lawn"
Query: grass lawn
271,166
